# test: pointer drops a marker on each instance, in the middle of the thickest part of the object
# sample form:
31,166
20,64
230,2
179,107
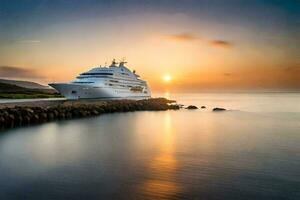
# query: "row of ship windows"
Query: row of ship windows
129,86
113,81
75,92
103,73
116,83
87,77
136,83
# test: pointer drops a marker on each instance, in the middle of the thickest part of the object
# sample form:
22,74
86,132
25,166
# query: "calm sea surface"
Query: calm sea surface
250,152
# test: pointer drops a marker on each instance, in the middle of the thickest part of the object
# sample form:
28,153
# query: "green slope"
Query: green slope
9,91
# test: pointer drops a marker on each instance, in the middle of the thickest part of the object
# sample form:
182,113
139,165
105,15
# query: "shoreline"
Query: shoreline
18,114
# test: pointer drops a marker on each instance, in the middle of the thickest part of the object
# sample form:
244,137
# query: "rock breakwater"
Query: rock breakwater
27,115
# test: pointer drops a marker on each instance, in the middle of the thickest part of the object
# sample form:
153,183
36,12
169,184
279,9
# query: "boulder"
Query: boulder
51,116
26,120
35,119
62,115
82,113
218,109
43,117
56,113
2,121
11,120
29,110
95,112
76,113
203,107
174,107
69,115
191,107
18,120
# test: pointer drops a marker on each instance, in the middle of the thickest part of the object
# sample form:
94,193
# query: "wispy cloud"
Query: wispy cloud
183,37
18,72
292,69
221,43
193,37
29,41
227,74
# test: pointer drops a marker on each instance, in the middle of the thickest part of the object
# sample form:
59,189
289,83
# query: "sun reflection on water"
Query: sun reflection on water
163,167
167,95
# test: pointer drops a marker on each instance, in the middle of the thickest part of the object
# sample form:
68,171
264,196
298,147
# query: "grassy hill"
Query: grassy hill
24,84
4,87
10,91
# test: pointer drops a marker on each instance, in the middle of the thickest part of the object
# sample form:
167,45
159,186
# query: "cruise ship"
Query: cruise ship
109,82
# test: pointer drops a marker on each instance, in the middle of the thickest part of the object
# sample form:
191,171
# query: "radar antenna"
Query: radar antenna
122,62
114,63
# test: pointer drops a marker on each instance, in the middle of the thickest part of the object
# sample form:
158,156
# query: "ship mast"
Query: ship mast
122,62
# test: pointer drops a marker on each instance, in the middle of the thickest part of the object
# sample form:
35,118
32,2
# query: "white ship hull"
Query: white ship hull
112,82
77,91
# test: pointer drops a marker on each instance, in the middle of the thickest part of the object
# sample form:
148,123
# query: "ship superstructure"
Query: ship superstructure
112,82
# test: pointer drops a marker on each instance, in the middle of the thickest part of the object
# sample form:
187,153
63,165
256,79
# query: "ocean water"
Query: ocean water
251,152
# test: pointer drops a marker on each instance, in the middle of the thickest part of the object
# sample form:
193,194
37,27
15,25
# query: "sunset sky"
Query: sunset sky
198,44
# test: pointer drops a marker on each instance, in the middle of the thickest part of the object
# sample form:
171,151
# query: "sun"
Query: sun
167,78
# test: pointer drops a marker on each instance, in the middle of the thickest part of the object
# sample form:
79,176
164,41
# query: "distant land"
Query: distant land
16,89
24,84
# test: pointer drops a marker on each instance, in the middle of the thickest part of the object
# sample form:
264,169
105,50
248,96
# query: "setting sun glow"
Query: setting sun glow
167,78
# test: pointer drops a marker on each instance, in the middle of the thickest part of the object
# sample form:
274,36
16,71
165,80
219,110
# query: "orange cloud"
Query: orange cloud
221,43
293,69
188,37
18,72
183,37
227,74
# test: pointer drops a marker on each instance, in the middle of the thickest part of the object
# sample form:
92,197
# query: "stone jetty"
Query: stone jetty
14,115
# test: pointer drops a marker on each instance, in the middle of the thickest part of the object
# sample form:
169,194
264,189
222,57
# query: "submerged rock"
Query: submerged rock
218,109
191,107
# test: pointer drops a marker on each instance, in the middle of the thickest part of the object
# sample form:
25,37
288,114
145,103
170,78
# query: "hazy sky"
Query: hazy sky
201,44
